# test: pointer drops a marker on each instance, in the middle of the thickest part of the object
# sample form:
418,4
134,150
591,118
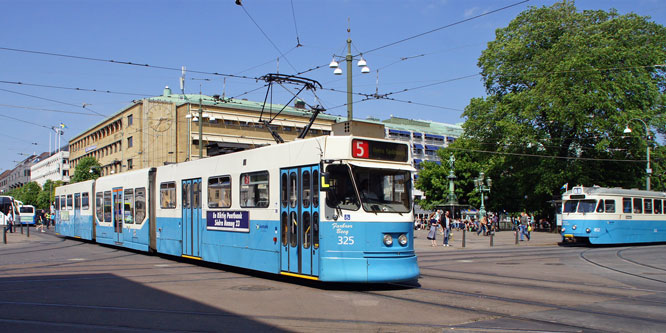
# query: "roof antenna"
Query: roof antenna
182,80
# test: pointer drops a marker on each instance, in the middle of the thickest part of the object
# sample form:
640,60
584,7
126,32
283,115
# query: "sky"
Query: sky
423,53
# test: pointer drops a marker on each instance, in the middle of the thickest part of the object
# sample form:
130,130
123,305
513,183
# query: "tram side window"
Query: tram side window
638,206
254,189
168,195
56,203
647,206
610,206
69,202
128,207
99,206
626,205
85,201
657,206
107,206
219,192
140,204
77,201
315,188
63,202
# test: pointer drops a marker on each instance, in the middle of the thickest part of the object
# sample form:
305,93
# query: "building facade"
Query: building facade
166,129
54,168
20,175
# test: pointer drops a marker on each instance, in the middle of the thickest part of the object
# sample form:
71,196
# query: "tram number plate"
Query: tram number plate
345,240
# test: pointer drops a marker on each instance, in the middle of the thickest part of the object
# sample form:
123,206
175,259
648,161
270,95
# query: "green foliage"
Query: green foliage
83,169
562,85
47,195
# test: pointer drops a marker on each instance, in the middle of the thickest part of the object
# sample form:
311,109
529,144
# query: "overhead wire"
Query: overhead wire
446,26
293,14
129,63
70,88
268,38
53,100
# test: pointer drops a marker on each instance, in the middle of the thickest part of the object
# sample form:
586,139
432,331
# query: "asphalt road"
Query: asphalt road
53,284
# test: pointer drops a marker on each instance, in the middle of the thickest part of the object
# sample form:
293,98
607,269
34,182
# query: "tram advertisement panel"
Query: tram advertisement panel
230,220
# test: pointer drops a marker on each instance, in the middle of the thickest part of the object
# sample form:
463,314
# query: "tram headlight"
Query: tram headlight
588,230
573,228
388,240
402,239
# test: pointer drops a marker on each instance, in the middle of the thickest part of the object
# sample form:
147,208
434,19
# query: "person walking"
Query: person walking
446,224
10,221
523,226
39,222
483,224
432,233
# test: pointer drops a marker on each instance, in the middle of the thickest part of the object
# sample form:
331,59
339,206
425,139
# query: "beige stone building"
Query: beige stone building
165,129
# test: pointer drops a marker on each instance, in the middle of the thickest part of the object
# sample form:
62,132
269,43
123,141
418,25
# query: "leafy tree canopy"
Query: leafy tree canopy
83,172
562,85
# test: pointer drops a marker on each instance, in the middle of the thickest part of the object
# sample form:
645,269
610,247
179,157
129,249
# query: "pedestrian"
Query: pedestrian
53,218
10,221
40,222
446,224
483,224
432,233
523,226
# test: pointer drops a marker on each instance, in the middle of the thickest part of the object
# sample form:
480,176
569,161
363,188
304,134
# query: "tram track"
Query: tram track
619,255
582,256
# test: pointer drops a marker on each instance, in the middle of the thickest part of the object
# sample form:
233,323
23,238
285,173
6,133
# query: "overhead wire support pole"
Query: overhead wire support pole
350,108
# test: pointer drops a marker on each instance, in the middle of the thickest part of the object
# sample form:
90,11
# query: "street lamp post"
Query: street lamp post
338,71
482,185
648,170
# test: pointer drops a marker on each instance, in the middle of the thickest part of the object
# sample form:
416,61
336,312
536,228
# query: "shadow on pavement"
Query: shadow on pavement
106,302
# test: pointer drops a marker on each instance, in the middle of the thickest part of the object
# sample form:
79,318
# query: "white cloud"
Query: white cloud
471,11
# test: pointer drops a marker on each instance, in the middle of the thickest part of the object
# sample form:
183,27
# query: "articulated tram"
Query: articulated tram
613,215
333,208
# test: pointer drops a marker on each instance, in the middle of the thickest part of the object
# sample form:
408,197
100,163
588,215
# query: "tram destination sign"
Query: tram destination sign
380,150
228,220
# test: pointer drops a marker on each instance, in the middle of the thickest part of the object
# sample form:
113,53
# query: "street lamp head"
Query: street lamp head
337,71
333,64
365,70
489,182
361,62
627,130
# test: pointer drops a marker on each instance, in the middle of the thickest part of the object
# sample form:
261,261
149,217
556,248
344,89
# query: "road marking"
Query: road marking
76,259
465,260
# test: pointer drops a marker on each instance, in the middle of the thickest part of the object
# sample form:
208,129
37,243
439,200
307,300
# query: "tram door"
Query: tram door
75,218
118,214
299,220
191,197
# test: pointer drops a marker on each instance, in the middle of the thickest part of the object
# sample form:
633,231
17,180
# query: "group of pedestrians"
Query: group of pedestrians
439,221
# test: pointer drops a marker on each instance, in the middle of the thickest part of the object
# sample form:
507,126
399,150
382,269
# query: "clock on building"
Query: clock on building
160,116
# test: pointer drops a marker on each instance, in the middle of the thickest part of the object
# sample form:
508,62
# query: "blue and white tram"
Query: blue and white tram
74,210
335,208
614,215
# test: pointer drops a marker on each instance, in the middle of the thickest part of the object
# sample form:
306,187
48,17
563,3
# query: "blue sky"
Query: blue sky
219,36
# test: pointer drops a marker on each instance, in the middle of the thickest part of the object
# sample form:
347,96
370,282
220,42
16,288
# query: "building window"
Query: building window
129,142
129,164
130,120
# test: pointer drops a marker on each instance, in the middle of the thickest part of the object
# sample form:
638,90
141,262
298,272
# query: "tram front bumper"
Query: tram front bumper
369,270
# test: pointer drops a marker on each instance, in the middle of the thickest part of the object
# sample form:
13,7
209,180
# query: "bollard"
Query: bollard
492,234
21,228
28,230
463,240
516,235
4,235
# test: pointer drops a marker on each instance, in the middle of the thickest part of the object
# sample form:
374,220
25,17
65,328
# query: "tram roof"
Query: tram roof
596,190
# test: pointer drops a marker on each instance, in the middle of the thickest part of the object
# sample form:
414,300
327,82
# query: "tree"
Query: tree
562,85
47,195
86,169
